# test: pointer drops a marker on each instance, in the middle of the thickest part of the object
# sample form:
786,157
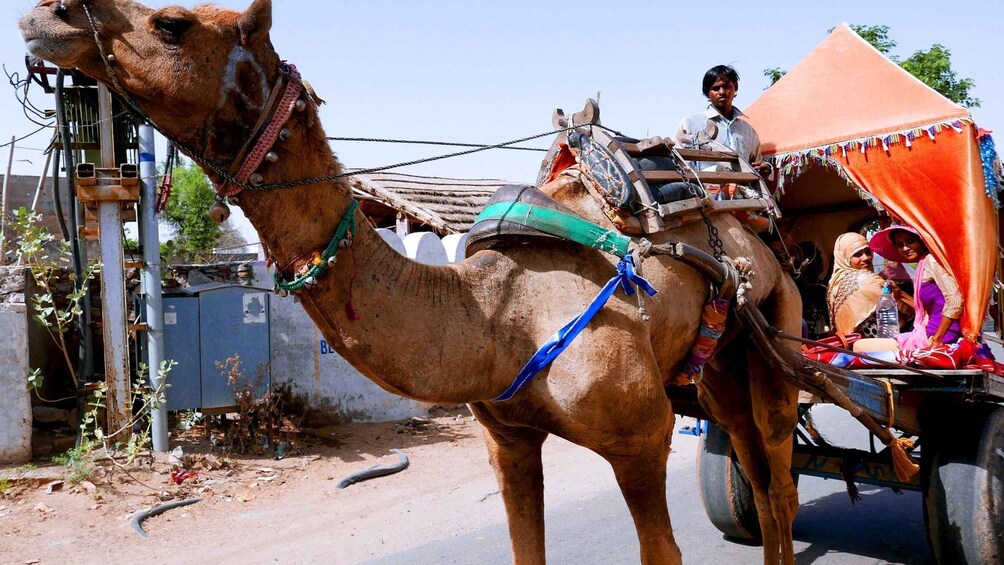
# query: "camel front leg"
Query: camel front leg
642,480
515,454
643,430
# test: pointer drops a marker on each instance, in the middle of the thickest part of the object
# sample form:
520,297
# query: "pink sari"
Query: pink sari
917,339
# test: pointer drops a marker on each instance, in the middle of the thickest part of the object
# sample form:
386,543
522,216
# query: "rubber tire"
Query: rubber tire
725,490
964,489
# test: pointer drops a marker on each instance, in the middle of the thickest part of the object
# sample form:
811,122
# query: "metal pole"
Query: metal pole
150,241
78,247
38,190
41,181
113,291
3,206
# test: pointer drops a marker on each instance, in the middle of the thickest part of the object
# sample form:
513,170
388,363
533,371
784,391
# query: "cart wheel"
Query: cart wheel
964,491
725,490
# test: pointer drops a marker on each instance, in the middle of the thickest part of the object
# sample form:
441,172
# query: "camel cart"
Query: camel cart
956,420
959,468
854,138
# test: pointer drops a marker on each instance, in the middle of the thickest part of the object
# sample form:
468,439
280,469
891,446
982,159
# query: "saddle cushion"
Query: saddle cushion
491,232
611,180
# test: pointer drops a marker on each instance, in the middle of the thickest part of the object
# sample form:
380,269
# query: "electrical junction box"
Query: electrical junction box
203,327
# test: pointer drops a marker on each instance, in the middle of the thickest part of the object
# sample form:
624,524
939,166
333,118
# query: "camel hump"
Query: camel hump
489,233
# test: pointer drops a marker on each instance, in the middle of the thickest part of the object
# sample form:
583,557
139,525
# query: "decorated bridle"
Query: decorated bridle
242,174
284,100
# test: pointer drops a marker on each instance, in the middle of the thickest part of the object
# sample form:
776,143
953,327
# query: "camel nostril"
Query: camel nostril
60,10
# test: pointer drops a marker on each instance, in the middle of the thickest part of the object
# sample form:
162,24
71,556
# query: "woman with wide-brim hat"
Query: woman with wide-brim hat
937,297
854,288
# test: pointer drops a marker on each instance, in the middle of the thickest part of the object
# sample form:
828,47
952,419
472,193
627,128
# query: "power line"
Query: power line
25,136
430,143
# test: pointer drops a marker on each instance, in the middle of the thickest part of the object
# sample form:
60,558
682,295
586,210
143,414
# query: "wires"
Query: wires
427,142
21,87
23,137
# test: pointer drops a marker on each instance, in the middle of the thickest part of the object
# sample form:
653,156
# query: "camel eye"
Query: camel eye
171,29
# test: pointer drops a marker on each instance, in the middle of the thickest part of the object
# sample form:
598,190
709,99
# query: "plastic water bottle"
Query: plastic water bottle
887,313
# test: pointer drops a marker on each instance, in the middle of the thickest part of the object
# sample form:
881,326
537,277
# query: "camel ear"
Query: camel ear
256,21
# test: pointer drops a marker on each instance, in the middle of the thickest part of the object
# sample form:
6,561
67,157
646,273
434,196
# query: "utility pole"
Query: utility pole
113,291
41,181
149,239
3,206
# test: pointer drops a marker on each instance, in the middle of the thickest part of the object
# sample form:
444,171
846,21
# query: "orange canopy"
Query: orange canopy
847,106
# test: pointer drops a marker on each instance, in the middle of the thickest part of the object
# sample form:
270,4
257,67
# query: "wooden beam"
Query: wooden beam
652,146
107,193
702,155
712,177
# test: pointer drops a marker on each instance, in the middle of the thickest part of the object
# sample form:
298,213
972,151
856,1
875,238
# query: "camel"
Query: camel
204,76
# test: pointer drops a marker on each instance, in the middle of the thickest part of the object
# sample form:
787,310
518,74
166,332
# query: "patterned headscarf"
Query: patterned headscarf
853,293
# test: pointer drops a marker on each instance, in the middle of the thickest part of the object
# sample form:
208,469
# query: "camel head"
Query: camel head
202,75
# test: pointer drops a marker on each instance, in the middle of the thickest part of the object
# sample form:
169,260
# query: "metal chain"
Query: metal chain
714,239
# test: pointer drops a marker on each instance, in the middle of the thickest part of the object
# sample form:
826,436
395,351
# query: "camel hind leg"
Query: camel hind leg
759,409
775,412
725,393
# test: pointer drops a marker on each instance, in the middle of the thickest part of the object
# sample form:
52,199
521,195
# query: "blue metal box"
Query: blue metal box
203,326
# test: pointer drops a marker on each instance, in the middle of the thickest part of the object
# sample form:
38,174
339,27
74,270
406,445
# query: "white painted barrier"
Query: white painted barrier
15,402
456,247
426,247
393,240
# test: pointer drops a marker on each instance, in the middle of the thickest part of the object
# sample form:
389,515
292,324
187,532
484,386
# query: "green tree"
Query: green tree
774,74
932,66
878,36
188,210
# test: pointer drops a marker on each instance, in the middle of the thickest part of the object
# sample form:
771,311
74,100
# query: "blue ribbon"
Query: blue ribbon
625,277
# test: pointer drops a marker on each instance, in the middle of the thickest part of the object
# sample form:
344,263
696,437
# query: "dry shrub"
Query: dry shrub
259,418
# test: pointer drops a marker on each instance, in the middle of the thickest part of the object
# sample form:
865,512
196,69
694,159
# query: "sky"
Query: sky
487,71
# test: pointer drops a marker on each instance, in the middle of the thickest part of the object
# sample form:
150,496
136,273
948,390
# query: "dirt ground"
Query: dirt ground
257,510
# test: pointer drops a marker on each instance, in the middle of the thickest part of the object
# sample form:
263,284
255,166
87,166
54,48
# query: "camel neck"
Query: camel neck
408,313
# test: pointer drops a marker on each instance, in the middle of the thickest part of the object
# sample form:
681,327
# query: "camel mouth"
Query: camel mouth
61,49
51,39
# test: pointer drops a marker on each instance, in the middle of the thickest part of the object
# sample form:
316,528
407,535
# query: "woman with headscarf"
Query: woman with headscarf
855,288
937,297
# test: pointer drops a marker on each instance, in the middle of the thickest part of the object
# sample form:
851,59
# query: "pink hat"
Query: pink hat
882,244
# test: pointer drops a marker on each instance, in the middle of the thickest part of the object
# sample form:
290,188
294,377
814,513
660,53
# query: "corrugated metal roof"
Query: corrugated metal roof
448,205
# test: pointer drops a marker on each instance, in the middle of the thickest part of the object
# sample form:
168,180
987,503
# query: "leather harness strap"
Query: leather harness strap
279,114
263,119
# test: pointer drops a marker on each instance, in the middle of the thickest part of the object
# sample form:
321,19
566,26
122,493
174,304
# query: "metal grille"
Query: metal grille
82,115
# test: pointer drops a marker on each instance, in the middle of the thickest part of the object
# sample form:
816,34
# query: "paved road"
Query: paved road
883,528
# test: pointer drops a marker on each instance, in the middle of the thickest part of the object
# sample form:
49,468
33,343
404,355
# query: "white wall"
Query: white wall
302,357
15,403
